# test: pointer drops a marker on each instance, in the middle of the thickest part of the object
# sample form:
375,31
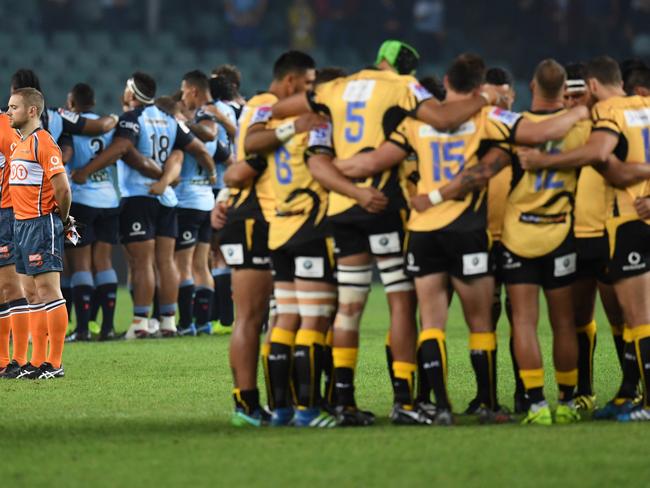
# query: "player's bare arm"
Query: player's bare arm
596,151
171,172
372,162
62,194
260,140
622,175
448,116
532,133
294,105
467,181
206,130
326,173
197,149
95,127
231,128
239,175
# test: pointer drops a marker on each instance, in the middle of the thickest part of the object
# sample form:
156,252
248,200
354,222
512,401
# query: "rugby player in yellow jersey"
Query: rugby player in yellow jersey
244,241
621,126
364,108
450,240
594,200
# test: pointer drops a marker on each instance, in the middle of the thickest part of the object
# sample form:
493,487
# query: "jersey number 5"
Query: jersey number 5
354,121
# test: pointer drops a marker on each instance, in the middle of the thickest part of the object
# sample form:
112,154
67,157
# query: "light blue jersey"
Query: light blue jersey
60,121
194,190
155,134
223,138
99,190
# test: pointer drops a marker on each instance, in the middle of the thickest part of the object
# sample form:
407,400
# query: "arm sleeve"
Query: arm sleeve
50,157
128,127
501,125
400,136
257,162
414,96
261,115
73,123
202,115
320,141
604,119
183,136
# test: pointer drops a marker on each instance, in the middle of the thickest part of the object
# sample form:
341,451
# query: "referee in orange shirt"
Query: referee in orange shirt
41,197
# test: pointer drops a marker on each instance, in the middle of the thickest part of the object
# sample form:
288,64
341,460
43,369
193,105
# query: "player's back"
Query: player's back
153,133
223,138
300,201
365,108
256,199
99,190
539,210
629,119
194,189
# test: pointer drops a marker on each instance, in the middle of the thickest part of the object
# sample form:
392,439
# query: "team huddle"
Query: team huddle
317,180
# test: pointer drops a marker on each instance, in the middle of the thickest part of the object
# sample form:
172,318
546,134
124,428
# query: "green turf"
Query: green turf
156,413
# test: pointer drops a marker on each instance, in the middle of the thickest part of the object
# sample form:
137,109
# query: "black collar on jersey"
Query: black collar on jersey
545,112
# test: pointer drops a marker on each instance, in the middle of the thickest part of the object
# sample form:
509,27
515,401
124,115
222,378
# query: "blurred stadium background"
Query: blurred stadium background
102,41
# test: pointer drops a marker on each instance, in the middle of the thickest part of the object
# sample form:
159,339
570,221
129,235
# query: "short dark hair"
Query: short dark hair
25,78
575,71
499,76
222,89
605,70
292,62
329,73
145,83
198,79
434,86
629,67
466,73
230,73
638,78
83,95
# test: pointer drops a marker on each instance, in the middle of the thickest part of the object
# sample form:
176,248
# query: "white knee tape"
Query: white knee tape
316,303
391,272
287,302
354,275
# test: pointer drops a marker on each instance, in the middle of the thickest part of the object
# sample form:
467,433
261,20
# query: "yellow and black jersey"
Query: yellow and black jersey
594,204
300,202
539,210
497,196
628,118
409,176
255,201
442,155
364,109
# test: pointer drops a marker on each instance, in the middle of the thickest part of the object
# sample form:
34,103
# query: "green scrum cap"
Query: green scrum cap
401,56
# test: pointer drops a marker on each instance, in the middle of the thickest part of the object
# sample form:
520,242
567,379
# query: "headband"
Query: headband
130,84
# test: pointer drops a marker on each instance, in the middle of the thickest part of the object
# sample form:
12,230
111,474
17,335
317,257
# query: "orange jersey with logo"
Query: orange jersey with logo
34,161
9,138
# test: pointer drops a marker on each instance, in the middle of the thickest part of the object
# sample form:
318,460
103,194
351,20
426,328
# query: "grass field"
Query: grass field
156,413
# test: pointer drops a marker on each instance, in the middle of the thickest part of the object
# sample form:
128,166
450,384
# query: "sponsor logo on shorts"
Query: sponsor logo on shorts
35,260
187,237
136,229
410,263
510,262
475,263
564,265
5,252
635,261
385,243
310,267
233,253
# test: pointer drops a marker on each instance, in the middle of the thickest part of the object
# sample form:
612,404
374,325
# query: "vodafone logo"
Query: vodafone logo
18,172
